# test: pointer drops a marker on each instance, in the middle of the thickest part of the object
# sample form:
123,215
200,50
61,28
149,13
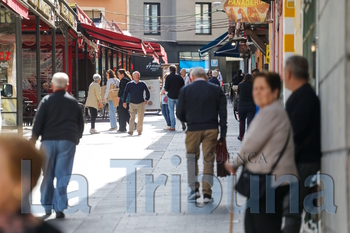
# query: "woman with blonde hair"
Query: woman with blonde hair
112,83
165,109
94,101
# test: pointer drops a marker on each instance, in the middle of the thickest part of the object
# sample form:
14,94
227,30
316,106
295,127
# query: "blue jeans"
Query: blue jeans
165,112
172,103
59,164
112,116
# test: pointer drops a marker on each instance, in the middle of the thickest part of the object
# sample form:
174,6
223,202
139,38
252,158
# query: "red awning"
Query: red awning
16,7
125,42
109,34
160,51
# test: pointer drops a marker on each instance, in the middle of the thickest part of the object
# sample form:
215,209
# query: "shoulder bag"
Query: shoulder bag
243,184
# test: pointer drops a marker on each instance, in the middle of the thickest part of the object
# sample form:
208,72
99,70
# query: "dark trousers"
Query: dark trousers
263,222
293,221
93,114
124,116
245,113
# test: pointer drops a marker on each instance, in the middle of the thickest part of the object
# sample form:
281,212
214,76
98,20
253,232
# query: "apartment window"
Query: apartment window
203,18
152,20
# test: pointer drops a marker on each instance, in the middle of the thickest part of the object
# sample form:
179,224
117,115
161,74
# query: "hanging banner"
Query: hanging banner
267,54
247,11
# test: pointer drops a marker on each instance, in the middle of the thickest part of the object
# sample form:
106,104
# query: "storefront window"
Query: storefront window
8,64
29,68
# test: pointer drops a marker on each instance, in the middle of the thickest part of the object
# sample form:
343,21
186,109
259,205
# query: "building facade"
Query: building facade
196,23
110,9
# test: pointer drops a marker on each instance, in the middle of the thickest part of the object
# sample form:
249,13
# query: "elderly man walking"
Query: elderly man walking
59,122
199,105
304,111
173,84
136,89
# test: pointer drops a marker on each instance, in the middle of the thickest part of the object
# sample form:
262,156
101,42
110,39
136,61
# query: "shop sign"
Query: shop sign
247,11
214,62
68,15
33,2
267,54
5,56
44,9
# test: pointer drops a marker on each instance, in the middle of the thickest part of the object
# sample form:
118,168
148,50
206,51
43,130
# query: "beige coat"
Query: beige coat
266,136
94,95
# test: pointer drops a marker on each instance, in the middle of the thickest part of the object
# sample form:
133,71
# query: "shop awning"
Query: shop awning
16,7
160,51
213,44
230,49
124,42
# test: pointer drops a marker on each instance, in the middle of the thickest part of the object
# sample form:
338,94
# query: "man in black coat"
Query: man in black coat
59,122
304,111
173,84
199,105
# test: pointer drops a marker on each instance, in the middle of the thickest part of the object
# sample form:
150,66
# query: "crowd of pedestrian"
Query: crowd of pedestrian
289,138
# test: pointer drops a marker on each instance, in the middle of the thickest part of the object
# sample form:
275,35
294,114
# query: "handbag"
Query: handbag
243,184
166,99
221,158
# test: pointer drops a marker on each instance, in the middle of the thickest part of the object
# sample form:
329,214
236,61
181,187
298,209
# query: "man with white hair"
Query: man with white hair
136,89
59,122
186,77
199,106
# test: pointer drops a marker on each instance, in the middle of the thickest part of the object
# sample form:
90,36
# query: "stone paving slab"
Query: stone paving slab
108,201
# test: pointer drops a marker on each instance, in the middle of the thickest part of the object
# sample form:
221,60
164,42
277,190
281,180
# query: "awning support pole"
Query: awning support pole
106,67
53,34
86,70
76,69
66,69
19,65
38,79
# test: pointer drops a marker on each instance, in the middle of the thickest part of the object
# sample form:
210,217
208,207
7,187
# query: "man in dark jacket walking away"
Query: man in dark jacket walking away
173,84
303,108
123,112
199,105
59,122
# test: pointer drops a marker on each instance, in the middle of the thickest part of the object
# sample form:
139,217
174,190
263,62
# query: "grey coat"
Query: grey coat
264,141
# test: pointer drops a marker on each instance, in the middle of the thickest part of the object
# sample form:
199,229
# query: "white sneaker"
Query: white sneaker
113,129
94,131
166,128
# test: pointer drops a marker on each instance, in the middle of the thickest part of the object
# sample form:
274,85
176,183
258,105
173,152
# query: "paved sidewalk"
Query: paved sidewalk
107,186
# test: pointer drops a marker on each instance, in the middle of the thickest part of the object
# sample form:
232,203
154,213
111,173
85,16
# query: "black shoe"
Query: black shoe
121,131
193,196
207,199
239,138
60,215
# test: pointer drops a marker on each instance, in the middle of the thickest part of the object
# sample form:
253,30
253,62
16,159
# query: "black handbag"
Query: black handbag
243,184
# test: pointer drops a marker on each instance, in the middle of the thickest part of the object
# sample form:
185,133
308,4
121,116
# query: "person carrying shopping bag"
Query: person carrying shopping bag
165,108
111,96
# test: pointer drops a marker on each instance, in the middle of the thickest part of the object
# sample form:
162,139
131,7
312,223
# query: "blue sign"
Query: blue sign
214,62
